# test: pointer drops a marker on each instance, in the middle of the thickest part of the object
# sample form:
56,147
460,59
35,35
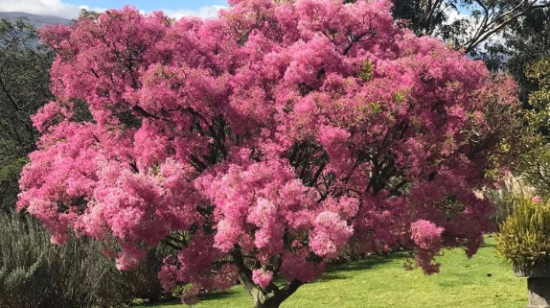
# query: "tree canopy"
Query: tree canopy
258,144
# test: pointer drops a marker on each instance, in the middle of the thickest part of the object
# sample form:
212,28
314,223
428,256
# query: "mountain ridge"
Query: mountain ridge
36,20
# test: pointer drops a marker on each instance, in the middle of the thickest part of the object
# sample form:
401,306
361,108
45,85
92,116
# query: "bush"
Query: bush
35,274
524,238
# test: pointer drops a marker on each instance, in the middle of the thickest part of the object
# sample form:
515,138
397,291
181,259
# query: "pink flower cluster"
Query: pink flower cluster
262,278
427,237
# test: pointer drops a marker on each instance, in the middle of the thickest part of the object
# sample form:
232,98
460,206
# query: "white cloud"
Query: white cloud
59,8
203,12
43,7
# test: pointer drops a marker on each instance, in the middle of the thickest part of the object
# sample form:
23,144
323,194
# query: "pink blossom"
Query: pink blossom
426,234
262,277
329,235
427,237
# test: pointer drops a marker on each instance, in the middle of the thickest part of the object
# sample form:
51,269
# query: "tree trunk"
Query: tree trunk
268,304
266,300
273,297
270,297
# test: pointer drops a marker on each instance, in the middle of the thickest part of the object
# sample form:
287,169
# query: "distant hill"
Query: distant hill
36,20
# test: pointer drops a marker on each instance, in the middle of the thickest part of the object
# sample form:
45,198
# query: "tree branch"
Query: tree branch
488,28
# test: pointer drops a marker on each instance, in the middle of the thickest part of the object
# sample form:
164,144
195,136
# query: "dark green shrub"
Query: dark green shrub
36,274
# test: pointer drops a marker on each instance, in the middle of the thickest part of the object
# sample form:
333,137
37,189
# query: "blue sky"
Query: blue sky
71,8
174,8
149,5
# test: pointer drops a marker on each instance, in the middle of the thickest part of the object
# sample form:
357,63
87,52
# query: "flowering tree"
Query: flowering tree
260,143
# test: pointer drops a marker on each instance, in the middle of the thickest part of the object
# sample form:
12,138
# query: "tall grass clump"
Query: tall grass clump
507,196
36,274
524,238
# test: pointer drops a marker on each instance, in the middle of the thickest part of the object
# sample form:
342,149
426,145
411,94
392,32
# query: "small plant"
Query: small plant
524,238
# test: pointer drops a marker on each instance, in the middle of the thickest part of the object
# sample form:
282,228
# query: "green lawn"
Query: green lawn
483,281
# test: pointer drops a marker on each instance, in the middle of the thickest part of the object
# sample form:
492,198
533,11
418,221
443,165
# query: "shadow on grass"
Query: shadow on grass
367,263
163,303
218,295
340,271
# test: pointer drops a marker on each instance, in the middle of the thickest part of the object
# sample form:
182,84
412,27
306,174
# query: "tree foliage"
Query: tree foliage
259,143
540,99
524,53
536,161
24,82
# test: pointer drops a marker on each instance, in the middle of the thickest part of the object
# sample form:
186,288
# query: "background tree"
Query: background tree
24,87
524,43
526,51
258,144
466,23
536,162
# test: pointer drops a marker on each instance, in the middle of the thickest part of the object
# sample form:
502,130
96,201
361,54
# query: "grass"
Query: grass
483,281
